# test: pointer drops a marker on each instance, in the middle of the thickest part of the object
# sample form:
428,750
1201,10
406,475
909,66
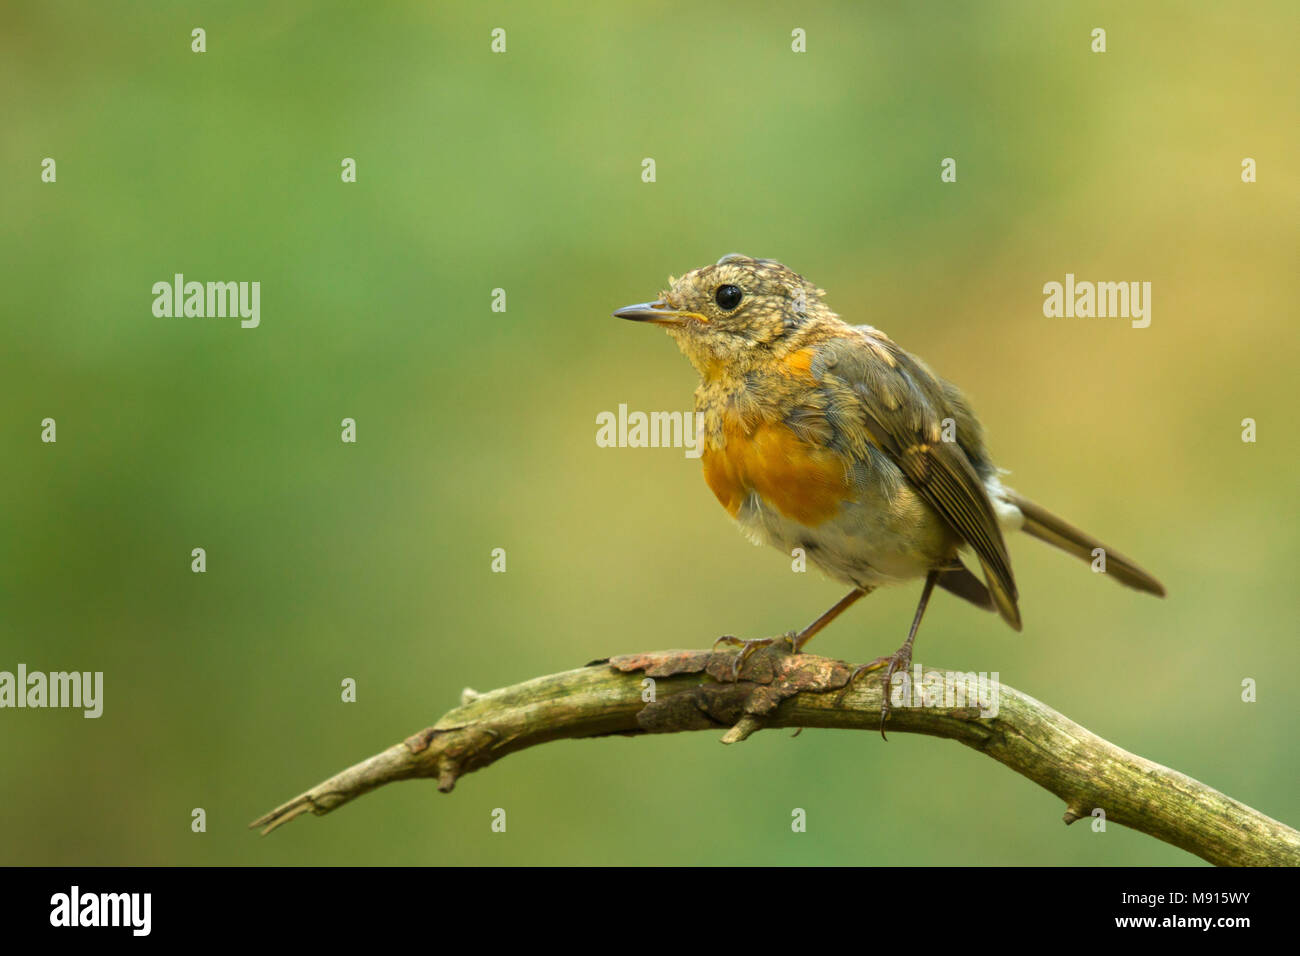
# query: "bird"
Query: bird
828,437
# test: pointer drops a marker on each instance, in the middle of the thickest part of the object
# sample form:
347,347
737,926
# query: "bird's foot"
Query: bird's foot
901,659
747,648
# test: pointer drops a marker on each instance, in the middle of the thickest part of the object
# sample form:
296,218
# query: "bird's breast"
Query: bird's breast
804,482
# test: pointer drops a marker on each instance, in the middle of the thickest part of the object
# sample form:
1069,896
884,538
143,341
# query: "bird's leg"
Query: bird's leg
797,639
844,603
901,658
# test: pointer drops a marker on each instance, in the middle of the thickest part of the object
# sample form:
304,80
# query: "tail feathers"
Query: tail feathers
1045,526
958,579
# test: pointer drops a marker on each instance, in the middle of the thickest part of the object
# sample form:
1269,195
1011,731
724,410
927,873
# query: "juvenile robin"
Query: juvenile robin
825,436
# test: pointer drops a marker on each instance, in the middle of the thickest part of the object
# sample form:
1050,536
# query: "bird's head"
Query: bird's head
735,312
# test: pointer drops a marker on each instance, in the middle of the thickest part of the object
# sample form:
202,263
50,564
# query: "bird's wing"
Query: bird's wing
900,407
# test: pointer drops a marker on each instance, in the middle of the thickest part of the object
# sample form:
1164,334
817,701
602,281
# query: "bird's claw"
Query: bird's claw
901,659
747,648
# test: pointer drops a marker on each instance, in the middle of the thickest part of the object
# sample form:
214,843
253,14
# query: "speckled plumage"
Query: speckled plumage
825,436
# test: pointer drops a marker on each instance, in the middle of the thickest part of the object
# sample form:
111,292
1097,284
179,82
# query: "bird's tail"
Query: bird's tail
1045,526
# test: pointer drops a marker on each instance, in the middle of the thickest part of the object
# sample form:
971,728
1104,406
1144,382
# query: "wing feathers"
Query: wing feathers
903,407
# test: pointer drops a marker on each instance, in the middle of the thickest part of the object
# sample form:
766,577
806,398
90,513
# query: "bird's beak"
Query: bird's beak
657,312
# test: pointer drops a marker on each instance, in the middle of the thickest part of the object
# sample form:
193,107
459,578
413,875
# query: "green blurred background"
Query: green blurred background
476,430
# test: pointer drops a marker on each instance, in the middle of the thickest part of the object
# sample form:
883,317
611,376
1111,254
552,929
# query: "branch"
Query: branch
694,690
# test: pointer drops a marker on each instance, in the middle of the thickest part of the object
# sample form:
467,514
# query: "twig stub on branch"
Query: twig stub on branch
694,690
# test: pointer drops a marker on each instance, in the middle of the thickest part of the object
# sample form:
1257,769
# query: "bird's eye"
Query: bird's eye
728,297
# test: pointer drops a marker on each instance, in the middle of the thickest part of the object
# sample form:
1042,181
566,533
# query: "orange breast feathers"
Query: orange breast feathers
805,483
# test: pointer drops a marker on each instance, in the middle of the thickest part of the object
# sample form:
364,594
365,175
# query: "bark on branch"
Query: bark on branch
694,690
